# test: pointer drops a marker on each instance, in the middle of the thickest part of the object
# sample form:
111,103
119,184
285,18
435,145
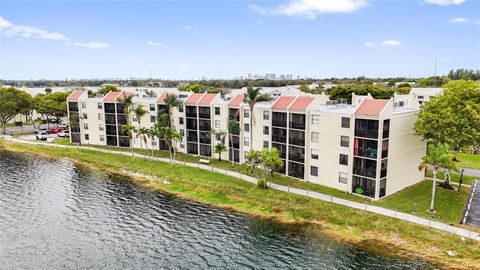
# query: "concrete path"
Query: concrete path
315,195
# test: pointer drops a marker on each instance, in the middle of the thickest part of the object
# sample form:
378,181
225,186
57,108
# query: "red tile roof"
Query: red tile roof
371,107
161,98
207,99
283,102
111,96
236,101
301,103
75,95
124,94
193,98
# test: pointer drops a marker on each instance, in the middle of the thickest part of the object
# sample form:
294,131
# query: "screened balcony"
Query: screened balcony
279,135
366,128
363,186
296,137
204,112
191,111
297,121
296,154
365,148
365,167
279,119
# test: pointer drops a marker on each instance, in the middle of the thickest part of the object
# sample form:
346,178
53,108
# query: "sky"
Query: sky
226,39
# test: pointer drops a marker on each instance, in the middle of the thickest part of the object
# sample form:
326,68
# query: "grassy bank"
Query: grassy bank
469,161
455,177
370,231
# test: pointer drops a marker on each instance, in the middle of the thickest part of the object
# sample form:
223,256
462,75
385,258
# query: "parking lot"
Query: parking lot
472,213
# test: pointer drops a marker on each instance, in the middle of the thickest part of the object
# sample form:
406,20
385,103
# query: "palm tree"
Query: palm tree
252,159
170,136
438,156
127,105
142,135
251,97
172,101
270,161
233,128
219,148
129,129
152,134
139,112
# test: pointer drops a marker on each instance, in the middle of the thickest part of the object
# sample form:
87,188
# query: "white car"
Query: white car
64,133
43,135
62,125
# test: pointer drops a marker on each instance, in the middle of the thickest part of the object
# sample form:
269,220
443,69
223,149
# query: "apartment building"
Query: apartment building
367,147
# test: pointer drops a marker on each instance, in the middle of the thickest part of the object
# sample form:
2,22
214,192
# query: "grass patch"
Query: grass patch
454,177
218,189
448,203
469,161
62,141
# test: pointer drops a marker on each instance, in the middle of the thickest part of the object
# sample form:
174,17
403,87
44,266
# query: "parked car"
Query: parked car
43,135
38,130
64,126
54,130
64,133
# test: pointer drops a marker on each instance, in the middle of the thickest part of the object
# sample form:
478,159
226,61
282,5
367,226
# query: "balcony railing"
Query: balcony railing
366,152
279,123
297,125
368,172
296,141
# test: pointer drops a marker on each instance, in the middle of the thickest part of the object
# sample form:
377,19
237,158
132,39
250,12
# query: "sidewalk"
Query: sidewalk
365,207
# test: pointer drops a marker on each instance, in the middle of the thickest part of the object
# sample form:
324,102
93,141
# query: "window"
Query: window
101,127
343,159
153,118
315,119
102,138
314,153
344,141
180,120
152,107
182,145
84,116
154,143
180,109
85,126
87,137
420,97
182,132
217,110
246,128
266,130
100,105
100,116
246,114
342,177
266,144
314,136
266,115
345,122
246,141
218,124
313,171
84,105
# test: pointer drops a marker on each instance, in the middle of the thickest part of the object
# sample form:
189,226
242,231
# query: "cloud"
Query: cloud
369,44
458,20
392,43
190,28
478,22
92,45
309,9
9,29
258,9
156,44
444,2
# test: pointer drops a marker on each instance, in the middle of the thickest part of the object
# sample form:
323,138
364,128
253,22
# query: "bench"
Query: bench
204,161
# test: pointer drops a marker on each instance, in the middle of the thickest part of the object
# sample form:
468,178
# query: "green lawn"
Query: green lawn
468,161
63,141
222,190
448,203
455,177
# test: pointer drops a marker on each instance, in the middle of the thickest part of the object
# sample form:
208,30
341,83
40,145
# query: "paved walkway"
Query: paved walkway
365,207
472,211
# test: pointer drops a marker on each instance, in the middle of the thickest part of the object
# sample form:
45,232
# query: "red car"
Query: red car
54,131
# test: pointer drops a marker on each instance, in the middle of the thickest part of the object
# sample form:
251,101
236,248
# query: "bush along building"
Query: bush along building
367,147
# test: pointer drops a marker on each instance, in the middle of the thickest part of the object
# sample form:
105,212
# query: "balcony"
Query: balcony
363,186
233,114
297,138
365,148
109,108
73,106
297,121
192,148
279,135
204,125
367,172
234,142
192,136
204,112
120,108
191,111
279,119
191,123
366,128
282,149
296,154
205,138
121,119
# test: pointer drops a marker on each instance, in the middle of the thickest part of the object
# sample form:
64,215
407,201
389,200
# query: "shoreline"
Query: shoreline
394,244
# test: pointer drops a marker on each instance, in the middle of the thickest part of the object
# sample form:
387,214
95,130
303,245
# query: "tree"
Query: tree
452,118
129,129
13,102
252,160
51,106
391,83
251,97
142,135
219,148
345,91
269,161
434,81
233,129
172,101
107,88
139,112
170,136
438,156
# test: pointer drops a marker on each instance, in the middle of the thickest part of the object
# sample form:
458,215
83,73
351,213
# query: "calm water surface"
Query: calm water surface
54,215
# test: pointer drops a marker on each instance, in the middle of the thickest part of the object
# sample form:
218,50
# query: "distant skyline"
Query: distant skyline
227,39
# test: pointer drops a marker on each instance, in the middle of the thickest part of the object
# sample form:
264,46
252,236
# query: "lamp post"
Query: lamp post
460,182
